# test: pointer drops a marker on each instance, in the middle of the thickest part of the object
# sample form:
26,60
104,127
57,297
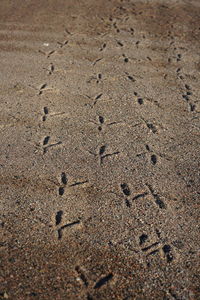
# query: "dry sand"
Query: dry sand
99,153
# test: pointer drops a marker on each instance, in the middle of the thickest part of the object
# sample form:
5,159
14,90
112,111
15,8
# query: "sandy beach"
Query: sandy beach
99,152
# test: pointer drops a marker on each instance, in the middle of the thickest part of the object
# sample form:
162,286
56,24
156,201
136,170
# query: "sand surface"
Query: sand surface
99,152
